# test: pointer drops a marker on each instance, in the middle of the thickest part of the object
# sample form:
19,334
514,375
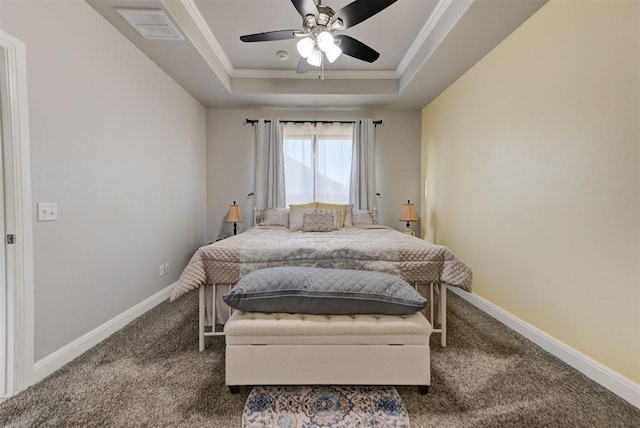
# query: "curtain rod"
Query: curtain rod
254,121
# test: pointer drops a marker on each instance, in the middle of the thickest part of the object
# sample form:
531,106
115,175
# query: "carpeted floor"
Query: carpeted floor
151,374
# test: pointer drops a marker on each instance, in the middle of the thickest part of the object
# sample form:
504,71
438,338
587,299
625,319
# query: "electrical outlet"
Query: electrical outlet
162,272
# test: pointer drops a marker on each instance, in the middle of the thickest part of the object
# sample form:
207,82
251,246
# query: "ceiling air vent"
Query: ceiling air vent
151,23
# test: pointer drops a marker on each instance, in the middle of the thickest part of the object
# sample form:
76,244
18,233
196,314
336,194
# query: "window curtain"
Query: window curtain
362,189
269,174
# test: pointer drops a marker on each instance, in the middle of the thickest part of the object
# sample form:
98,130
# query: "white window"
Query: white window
317,162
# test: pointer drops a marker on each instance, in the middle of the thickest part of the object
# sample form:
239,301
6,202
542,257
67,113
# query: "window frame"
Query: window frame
314,157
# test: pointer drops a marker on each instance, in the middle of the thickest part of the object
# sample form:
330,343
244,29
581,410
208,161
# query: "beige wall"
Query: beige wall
230,160
532,164
121,148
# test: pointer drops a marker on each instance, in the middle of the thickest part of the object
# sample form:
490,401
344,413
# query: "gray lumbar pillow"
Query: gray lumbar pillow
324,291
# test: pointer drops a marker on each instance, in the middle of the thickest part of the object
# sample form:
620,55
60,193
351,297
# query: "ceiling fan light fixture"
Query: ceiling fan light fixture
305,47
315,58
316,40
333,53
336,25
325,41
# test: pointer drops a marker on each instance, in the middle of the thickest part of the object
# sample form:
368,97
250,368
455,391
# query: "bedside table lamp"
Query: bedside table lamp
408,214
234,217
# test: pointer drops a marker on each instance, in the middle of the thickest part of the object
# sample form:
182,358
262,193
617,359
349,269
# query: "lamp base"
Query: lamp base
409,232
235,228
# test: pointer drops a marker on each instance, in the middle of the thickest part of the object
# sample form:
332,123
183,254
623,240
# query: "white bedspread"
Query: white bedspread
377,248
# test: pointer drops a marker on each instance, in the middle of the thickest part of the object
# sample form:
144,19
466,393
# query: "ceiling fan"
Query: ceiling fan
319,25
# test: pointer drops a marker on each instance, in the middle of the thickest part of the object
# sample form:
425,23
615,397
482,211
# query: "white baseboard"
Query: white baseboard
613,381
67,353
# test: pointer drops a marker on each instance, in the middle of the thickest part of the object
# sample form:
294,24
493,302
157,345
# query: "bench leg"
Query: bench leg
423,389
234,389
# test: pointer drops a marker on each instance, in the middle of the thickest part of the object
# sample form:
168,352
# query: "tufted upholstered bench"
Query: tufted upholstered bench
302,349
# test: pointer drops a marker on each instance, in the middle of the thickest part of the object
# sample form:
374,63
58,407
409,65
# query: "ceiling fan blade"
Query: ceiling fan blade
359,10
270,36
305,7
303,66
357,49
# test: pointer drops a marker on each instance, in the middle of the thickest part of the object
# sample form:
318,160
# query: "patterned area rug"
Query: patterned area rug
324,406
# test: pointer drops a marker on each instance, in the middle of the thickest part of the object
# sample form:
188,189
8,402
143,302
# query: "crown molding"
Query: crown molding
208,35
203,68
192,24
446,18
311,75
205,31
425,32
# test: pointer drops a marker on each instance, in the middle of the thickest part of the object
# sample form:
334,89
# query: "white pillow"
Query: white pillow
336,218
296,217
362,217
318,222
348,216
275,217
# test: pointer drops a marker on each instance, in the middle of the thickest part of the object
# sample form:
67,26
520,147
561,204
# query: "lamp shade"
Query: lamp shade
234,214
408,212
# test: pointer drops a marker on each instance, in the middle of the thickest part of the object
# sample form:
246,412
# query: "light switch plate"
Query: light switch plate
47,211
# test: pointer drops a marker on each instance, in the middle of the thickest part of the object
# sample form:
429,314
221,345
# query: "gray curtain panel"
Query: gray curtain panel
362,189
269,175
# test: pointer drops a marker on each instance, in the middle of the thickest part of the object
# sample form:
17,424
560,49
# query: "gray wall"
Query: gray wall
121,148
230,160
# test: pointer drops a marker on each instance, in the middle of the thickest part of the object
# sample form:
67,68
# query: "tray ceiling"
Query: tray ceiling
424,46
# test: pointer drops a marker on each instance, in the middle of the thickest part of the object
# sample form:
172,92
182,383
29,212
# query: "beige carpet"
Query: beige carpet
151,374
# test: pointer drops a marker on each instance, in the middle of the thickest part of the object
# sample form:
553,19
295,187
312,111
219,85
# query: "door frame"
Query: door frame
18,210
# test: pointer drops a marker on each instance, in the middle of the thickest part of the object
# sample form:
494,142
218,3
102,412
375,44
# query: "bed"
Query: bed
369,247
